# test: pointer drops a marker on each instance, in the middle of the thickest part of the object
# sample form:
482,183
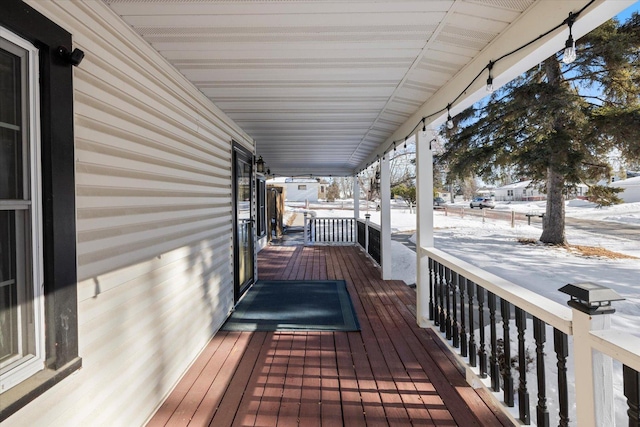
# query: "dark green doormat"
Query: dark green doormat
295,305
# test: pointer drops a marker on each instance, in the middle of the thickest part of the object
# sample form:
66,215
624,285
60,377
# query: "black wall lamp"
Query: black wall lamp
74,57
260,165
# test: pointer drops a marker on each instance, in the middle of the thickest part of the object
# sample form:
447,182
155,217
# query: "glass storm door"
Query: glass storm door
244,254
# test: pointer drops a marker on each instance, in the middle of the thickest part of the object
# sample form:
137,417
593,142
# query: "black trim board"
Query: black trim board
58,198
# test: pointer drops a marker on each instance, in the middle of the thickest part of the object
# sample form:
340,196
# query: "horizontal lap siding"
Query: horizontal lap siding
154,228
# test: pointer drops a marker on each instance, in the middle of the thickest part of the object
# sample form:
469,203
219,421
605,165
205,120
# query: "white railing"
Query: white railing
467,306
344,231
337,231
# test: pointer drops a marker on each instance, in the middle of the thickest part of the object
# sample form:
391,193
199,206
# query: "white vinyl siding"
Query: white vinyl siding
154,224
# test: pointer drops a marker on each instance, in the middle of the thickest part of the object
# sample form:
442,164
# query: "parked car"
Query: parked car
481,202
438,202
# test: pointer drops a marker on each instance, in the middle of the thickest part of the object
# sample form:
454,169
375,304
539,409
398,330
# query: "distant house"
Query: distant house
527,191
631,187
519,191
300,189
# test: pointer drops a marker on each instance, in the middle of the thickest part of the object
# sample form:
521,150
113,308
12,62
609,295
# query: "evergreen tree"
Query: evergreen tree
333,192
557,123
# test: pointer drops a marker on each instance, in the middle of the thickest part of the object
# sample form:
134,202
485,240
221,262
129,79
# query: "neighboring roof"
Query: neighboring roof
302,181
521,184
629,182
286,180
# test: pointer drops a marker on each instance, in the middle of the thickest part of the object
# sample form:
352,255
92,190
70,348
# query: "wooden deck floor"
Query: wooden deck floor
389,373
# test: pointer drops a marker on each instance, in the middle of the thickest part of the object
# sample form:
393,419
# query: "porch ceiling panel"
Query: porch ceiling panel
321,84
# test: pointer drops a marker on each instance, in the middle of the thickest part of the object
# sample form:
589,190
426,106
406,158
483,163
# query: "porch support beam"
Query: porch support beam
385,219
356,197
424,223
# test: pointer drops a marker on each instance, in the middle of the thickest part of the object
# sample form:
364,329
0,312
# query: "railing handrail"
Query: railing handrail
549,311
371,224
331,217
617,344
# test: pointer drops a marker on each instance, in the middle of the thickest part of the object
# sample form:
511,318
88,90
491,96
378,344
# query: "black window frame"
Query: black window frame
58,203
261,206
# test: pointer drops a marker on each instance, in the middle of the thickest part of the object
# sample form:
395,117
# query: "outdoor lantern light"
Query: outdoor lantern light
570,46
260,165
591,298
490,84
490,78
449,119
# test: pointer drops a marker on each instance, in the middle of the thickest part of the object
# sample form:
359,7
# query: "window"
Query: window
38,276
21,309
509,192
302,187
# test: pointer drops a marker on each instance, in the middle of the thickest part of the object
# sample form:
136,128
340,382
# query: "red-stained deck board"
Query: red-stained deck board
311,385
227,409
292,387
194,397
209,404
352,408
247,410
382,358
331,402
390,373
270,401
169,406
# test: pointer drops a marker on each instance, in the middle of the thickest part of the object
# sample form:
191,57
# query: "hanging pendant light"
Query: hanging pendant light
569,54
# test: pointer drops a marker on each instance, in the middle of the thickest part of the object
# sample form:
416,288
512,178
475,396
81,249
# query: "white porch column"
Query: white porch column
385,219
356,197
424,223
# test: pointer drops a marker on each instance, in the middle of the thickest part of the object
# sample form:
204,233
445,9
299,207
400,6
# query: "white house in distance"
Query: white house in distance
527,191
519,191
300,189
631,187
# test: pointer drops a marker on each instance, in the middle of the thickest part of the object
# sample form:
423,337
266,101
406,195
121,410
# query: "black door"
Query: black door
243,221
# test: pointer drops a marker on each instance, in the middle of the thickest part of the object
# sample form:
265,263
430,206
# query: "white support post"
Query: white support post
385,219
424,224
356,197
594,373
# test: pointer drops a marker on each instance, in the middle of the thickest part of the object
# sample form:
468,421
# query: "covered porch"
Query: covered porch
392,372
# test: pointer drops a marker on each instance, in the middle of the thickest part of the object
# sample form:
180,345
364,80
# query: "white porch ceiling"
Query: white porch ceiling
322,85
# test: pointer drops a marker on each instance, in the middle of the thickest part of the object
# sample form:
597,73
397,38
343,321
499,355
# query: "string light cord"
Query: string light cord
569,21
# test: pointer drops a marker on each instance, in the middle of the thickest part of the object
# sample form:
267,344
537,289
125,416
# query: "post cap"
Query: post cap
591,298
